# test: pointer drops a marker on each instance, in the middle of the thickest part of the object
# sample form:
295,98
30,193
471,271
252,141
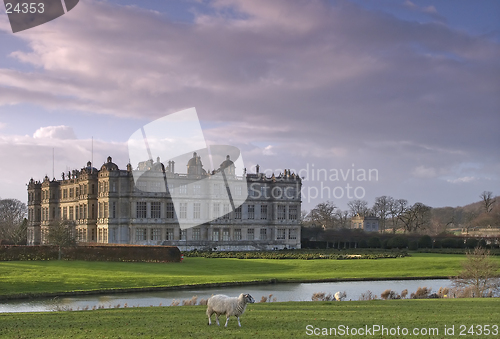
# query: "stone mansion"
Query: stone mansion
107,206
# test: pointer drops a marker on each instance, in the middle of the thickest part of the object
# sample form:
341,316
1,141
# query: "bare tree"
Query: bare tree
381,208
358,206
415,217
479,274
62,234
323,214
488,201
342,217
12,224
396,208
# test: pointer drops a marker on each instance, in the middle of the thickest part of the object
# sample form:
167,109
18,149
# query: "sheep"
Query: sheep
222,304
339,296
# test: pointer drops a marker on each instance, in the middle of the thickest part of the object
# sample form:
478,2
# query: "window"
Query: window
71,193
281,212
169,235
101,209
237,234
251,211
93,188
250,234
85,215
215,234
237,213
105,235
113,209
156,211
225,234
141,209
238,190
76,192
225,211
263,191
84,189
196,234
71,217
289,192
140,234
217,189
292,212
216,209
156,234
93,211
281,234
65,213
155,186
170,210
183,234
292,234
65,194
183,210
183,189
196,210
197,189
263,233
263,212
106,210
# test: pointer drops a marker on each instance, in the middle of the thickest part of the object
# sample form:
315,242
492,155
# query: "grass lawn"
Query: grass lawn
268,320
32,277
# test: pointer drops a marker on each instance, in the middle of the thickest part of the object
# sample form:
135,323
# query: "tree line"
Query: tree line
399,215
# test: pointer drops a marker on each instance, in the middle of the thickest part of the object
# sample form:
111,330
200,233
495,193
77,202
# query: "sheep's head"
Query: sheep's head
247,298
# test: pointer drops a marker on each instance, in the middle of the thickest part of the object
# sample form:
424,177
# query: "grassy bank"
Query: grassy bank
269,320
34,277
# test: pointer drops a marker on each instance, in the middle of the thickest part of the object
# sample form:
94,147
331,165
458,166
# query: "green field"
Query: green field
268,320
34,277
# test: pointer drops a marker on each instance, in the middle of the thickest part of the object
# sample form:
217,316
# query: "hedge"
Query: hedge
293,255
92,253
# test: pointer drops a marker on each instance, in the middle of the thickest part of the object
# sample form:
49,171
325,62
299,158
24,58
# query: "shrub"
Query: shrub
322,296
374,242
449,243
404,293
413,245
437,243
93,253
389,294
471,243
421,293
368,295
425,242
399,241
363,243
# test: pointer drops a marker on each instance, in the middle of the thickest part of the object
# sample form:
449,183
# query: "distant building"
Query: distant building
107,206
365,223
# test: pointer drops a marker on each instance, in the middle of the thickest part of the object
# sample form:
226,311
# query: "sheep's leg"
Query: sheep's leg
209,320
227,320
217,318
239,324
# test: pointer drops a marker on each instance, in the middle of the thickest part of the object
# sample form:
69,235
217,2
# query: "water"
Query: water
282,292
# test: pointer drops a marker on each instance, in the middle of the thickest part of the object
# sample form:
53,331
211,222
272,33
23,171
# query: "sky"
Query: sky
406,91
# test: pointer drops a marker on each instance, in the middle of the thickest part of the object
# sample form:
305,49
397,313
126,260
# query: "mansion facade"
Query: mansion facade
196,210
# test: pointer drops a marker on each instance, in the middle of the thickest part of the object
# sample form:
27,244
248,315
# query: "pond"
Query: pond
279,292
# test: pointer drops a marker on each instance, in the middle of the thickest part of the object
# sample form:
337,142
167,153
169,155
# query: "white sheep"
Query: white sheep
339,296
222,304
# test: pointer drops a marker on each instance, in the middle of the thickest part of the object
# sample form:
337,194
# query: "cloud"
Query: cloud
55,132
268,150
461,180
424,172
333,85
